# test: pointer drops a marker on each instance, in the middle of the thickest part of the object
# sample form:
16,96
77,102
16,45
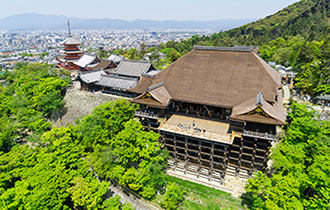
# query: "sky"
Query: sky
147,9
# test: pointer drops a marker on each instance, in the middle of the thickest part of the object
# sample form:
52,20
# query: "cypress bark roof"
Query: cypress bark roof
218,77
222,77
258,110
143,84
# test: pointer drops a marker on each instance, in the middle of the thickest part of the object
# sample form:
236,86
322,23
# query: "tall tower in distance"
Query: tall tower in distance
70,53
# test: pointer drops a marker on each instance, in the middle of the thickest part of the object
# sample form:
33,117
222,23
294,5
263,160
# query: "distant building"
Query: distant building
87,62
71,53
6,52
115,58
286,73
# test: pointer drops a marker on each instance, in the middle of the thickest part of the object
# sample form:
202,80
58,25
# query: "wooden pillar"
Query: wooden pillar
239,157
225,157
175,153
211,161
186,155
253,157
266,157
199,158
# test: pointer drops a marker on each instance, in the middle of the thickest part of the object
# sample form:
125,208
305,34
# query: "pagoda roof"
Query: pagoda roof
71,41
71,52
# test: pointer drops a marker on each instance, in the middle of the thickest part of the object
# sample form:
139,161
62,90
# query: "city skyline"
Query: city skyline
147,9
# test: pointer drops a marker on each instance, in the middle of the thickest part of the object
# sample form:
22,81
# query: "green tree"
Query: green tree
174,195
302,166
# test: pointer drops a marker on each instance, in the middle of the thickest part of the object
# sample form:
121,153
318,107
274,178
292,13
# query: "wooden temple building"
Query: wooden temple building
118,80
217,110
70,53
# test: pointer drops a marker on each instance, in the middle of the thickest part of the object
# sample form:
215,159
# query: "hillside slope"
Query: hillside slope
307,18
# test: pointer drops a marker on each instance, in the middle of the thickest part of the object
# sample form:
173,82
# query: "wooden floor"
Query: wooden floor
199,128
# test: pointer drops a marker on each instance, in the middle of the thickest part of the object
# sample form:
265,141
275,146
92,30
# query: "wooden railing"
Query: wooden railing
259,135
146,115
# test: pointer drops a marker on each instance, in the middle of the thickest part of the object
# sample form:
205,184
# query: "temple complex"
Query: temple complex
118,80
71,52
217,110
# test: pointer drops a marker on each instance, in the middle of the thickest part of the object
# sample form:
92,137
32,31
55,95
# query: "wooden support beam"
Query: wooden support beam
211,163
253,157
199,157
175,154
225,162
186,155
266,157
239,157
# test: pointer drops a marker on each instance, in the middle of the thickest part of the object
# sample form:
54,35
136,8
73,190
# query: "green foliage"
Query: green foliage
62,170
56,174
33,92
134,158
309,59
104,123
171,53
87,192
113,203
26,55
302,166
38,178
4,74
174,195
102,54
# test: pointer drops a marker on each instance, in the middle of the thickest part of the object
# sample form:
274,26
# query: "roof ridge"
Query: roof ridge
235,49
137,61
260,62
152,87
90,71
111,75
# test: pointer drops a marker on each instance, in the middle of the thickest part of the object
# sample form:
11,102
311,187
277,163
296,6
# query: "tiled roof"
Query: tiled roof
85,60
117,81
91,76
132,68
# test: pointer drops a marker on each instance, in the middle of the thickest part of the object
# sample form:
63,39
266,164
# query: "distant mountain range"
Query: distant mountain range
35,21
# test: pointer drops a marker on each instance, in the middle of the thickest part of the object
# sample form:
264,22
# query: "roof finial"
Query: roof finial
69,29
259,98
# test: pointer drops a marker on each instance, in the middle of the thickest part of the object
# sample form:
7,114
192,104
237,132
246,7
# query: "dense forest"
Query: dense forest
46,167
296,36
300,176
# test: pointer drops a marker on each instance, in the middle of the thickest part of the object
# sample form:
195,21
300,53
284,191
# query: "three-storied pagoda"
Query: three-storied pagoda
71,52
217,109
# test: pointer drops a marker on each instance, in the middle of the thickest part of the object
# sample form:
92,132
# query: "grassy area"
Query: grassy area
203,197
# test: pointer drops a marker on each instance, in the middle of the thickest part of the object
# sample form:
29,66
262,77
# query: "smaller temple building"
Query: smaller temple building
117,80
87,62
